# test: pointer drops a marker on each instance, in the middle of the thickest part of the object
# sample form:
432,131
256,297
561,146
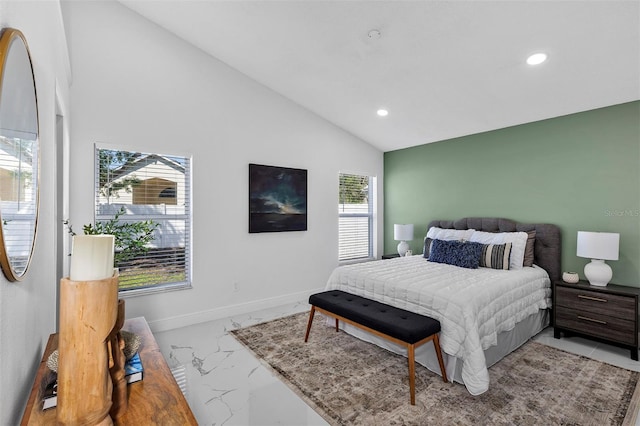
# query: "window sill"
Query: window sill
354,261
144,291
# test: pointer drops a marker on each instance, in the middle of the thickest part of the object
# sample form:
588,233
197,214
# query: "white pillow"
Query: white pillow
518,242
436,233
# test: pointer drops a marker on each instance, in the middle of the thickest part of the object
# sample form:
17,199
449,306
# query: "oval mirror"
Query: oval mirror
19,155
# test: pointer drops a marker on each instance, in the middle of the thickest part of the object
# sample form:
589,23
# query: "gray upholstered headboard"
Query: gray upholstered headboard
548,246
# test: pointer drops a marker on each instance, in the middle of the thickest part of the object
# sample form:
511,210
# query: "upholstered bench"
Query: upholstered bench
397,325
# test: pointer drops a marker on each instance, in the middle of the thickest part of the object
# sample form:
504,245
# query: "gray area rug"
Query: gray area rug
351,382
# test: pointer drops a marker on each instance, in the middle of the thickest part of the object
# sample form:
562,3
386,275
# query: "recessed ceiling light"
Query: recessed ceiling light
382,112
537,58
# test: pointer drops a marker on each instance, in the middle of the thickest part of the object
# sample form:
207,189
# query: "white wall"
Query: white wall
138,86
28,308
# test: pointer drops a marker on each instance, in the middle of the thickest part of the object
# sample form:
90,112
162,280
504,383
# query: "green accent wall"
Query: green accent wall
580,171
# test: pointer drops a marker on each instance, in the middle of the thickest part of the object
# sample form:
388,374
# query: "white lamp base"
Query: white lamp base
598,272
402,248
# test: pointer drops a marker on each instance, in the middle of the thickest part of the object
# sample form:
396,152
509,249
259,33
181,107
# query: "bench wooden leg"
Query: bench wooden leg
311,314
410,347
436,344
412,372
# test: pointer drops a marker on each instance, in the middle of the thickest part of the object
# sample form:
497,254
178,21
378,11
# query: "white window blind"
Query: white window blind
140,186
355,210
18,198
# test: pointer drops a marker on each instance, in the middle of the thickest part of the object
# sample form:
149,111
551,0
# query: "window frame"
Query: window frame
187,216
371,194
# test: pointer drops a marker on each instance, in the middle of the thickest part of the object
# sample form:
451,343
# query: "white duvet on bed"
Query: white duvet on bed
472,305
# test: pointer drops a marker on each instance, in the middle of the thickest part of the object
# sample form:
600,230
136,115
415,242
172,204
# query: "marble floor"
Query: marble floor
227,385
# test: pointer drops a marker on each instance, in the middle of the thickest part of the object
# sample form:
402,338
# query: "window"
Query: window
133,187
355,209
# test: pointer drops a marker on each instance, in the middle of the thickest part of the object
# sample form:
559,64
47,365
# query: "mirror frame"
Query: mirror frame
8,36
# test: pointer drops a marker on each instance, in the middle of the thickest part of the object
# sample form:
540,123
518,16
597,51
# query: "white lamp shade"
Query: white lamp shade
598,245
403,232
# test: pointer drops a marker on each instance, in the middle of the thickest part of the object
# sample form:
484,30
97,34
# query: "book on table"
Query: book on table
50,390
133,369
132,373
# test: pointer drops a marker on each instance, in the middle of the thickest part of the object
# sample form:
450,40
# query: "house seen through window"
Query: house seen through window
355,211
136,187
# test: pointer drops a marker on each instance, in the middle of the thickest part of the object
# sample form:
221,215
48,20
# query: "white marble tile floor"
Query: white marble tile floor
227,385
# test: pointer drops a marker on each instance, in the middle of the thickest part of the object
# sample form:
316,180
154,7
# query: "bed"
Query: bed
485,313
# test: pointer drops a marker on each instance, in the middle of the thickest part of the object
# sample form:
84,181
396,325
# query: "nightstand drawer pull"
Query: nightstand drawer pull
595,299
592,320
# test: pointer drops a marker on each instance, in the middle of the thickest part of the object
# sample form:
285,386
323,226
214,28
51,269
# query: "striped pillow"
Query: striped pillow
427,248
495,256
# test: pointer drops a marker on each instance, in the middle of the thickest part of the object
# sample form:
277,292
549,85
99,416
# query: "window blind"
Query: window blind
355,211
18,198
141,186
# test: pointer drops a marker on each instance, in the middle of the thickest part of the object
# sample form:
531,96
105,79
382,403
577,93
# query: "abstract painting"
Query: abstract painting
277,199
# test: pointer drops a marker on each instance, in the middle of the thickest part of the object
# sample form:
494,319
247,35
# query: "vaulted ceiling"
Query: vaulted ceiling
442,69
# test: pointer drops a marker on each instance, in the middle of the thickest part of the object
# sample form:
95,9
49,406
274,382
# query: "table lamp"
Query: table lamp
598,246
403,233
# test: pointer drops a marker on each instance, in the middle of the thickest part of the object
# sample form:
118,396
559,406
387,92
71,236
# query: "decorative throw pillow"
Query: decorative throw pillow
528,249
427,248
449,234
495,256
518,242
457,253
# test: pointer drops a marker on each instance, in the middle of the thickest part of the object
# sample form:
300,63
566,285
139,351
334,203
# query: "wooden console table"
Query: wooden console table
156,399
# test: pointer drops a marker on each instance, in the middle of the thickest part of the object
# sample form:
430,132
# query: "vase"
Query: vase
570,277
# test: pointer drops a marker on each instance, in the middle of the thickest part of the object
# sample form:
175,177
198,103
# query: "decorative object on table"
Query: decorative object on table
52,361
89,313
277,199
92,257
403,233
131,345
409,253
133,369
570,277
117,361
598,246
49,390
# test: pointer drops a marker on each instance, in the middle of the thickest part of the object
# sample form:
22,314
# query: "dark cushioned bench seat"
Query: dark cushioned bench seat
406,328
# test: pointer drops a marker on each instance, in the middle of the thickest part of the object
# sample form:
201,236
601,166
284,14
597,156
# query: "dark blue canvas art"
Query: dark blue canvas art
277,199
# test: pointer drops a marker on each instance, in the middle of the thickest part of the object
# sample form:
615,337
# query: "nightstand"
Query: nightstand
390,256
606,313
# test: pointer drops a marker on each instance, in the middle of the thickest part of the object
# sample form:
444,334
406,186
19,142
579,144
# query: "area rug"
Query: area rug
351,382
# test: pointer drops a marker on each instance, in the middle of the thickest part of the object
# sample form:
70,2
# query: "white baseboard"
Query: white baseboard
228,311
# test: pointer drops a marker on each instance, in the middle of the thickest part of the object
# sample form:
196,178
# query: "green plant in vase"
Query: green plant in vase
131,239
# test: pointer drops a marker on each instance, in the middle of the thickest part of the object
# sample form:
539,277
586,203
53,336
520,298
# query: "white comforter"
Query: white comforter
472,305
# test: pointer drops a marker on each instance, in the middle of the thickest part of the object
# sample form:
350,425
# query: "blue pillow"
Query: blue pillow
458,253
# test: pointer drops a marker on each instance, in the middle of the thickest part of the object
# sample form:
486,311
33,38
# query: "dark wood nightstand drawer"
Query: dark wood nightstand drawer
604,326
597,303
608,313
